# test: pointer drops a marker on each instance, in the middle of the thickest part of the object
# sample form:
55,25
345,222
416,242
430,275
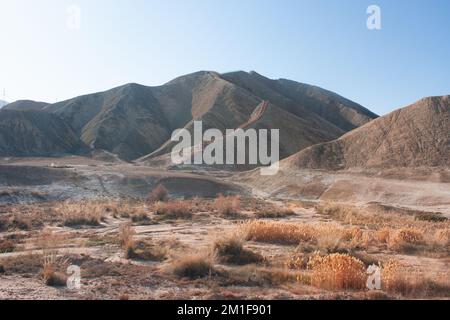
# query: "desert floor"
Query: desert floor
303,235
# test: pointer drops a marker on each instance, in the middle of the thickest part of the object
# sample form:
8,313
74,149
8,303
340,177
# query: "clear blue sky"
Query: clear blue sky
321,42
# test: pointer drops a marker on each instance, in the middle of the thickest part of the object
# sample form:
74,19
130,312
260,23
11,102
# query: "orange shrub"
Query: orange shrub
337,271
279,232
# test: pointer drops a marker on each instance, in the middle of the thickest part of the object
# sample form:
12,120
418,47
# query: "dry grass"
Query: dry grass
194,266
159,194
406,239
230,250
50,271
81,213
274,212
7,246
174,210
337,272
228,206
398,279
146,251
278,232
125,237
139,250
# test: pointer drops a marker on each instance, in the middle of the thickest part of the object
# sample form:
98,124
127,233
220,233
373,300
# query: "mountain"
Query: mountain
36,133
227,101
26,105
418,135
3,103
135,121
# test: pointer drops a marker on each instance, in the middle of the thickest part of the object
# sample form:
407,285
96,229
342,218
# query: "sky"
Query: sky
52,50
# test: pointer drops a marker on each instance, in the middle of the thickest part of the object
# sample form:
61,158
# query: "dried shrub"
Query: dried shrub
159,194
143,250
194,266
173,210
442,237
6,246
81,213
228,206
51,270
230,250
278,232
431,217
126,234
274,213
406,239
337,271
409,282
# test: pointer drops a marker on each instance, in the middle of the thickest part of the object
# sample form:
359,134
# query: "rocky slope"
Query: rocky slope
35,133
418,135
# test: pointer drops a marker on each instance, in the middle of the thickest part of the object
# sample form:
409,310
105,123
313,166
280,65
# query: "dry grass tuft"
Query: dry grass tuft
230,250
81,213
398,279
174,210
228,206
126,234
194,266
337,271
274,213
159,194
278,232
7,246
406,239
53,277
139,250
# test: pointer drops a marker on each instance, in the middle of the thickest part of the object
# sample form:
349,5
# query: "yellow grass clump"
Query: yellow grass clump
278,232
406,238
81,213
337,271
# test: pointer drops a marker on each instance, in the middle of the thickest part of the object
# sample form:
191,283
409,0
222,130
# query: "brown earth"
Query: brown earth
415,136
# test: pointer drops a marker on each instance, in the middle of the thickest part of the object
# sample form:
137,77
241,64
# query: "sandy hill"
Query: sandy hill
418,135
36,133
26,105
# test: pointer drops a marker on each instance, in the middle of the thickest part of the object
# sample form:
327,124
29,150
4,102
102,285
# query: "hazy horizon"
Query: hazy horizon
48,56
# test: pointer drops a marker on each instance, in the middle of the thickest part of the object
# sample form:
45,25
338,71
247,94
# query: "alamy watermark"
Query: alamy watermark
236,146
73,20
374,19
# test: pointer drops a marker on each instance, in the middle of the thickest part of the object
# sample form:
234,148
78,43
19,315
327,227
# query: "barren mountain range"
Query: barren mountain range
318,129
134,121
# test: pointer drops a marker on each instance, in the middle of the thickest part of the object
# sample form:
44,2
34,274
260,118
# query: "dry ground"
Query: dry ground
224,248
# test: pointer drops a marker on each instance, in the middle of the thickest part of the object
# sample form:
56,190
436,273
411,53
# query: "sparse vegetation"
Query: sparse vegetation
337,271
274,213
228,206
230,250
81,213
159,194
173,210
278,232
194,266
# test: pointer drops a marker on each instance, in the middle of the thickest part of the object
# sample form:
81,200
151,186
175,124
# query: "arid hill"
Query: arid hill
36,133
135,121
228,101
26,105
418,135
